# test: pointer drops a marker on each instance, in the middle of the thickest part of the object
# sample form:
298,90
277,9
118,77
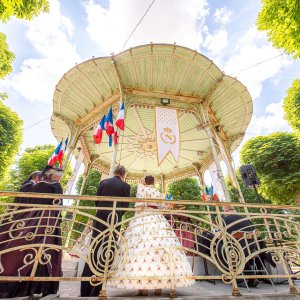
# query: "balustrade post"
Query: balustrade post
103,295
77,202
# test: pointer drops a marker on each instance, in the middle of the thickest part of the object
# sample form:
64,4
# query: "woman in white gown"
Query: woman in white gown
150,250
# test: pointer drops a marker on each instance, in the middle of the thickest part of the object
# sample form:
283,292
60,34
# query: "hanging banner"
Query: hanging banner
71,181
167,133
217,186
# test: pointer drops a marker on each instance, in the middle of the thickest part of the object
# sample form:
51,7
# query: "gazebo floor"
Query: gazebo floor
201,290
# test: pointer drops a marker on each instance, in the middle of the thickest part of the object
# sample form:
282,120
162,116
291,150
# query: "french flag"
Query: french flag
109,123
97,135
120,123
62,152
109,126
54,157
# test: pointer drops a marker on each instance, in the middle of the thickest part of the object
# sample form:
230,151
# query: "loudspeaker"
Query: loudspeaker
249,176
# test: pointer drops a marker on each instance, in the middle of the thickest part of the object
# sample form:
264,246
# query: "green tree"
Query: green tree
276,158
10,138
281,21
91,184
6,57
22,9
185,189
291,105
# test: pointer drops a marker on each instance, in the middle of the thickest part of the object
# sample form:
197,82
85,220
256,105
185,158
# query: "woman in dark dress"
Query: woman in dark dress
33,242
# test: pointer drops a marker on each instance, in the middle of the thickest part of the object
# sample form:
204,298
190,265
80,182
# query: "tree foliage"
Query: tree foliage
281,21
10,138
276,158
185,189
6,57
22,9
291,105
91,184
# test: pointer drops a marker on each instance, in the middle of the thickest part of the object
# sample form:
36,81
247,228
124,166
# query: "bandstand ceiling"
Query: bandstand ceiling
147,74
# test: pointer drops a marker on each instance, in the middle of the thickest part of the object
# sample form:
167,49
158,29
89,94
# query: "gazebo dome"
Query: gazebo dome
146,74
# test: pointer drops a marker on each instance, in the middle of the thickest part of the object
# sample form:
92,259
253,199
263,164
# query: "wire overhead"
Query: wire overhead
136,26
37,123
259,63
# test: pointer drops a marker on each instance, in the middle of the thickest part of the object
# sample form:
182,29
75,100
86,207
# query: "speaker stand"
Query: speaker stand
257,195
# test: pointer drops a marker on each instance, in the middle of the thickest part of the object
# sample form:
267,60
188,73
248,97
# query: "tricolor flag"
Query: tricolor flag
62,152
97,135
120,118
54,157
109,126
109,123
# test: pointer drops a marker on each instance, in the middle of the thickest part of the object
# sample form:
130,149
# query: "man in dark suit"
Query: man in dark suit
113,187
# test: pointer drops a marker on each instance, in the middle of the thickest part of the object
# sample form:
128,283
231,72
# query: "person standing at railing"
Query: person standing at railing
27,185
39,227
151,258
112,187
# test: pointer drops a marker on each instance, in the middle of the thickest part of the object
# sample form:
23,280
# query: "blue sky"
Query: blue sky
76,30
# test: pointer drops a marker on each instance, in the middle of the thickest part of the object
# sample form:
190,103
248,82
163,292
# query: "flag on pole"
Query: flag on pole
207,191
98,132
54,157
62,152
120,122
109,126
109,123
211,190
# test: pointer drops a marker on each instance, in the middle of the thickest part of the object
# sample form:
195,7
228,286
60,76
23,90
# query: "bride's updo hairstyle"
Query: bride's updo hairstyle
149,180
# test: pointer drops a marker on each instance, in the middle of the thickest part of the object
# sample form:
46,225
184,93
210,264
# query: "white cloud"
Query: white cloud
216,42
222,15
250,50
49,34
272,121
167,21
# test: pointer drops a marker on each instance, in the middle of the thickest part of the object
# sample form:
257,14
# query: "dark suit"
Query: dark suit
113,187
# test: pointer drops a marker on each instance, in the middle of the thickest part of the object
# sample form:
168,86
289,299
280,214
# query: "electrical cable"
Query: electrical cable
259,63
37,123
136,26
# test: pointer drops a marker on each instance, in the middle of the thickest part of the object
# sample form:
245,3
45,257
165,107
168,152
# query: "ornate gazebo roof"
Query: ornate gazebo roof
146,74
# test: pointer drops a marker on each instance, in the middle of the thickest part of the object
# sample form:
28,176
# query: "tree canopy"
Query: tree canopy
6,57
22,9
281,21
91,184
185,189
10,138
291,105
276,158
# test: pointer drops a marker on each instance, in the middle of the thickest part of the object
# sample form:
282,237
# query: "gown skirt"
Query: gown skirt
150,256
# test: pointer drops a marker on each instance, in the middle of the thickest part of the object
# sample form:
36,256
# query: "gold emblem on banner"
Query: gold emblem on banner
167,136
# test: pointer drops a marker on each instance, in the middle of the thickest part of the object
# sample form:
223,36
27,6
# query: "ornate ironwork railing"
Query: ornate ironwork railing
112,237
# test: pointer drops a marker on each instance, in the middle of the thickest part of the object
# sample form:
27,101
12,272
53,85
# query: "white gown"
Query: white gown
150,252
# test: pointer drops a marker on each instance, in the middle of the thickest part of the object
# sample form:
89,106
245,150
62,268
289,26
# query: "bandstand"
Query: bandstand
213,111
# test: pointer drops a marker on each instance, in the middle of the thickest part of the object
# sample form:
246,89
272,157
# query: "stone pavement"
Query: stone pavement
201,290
